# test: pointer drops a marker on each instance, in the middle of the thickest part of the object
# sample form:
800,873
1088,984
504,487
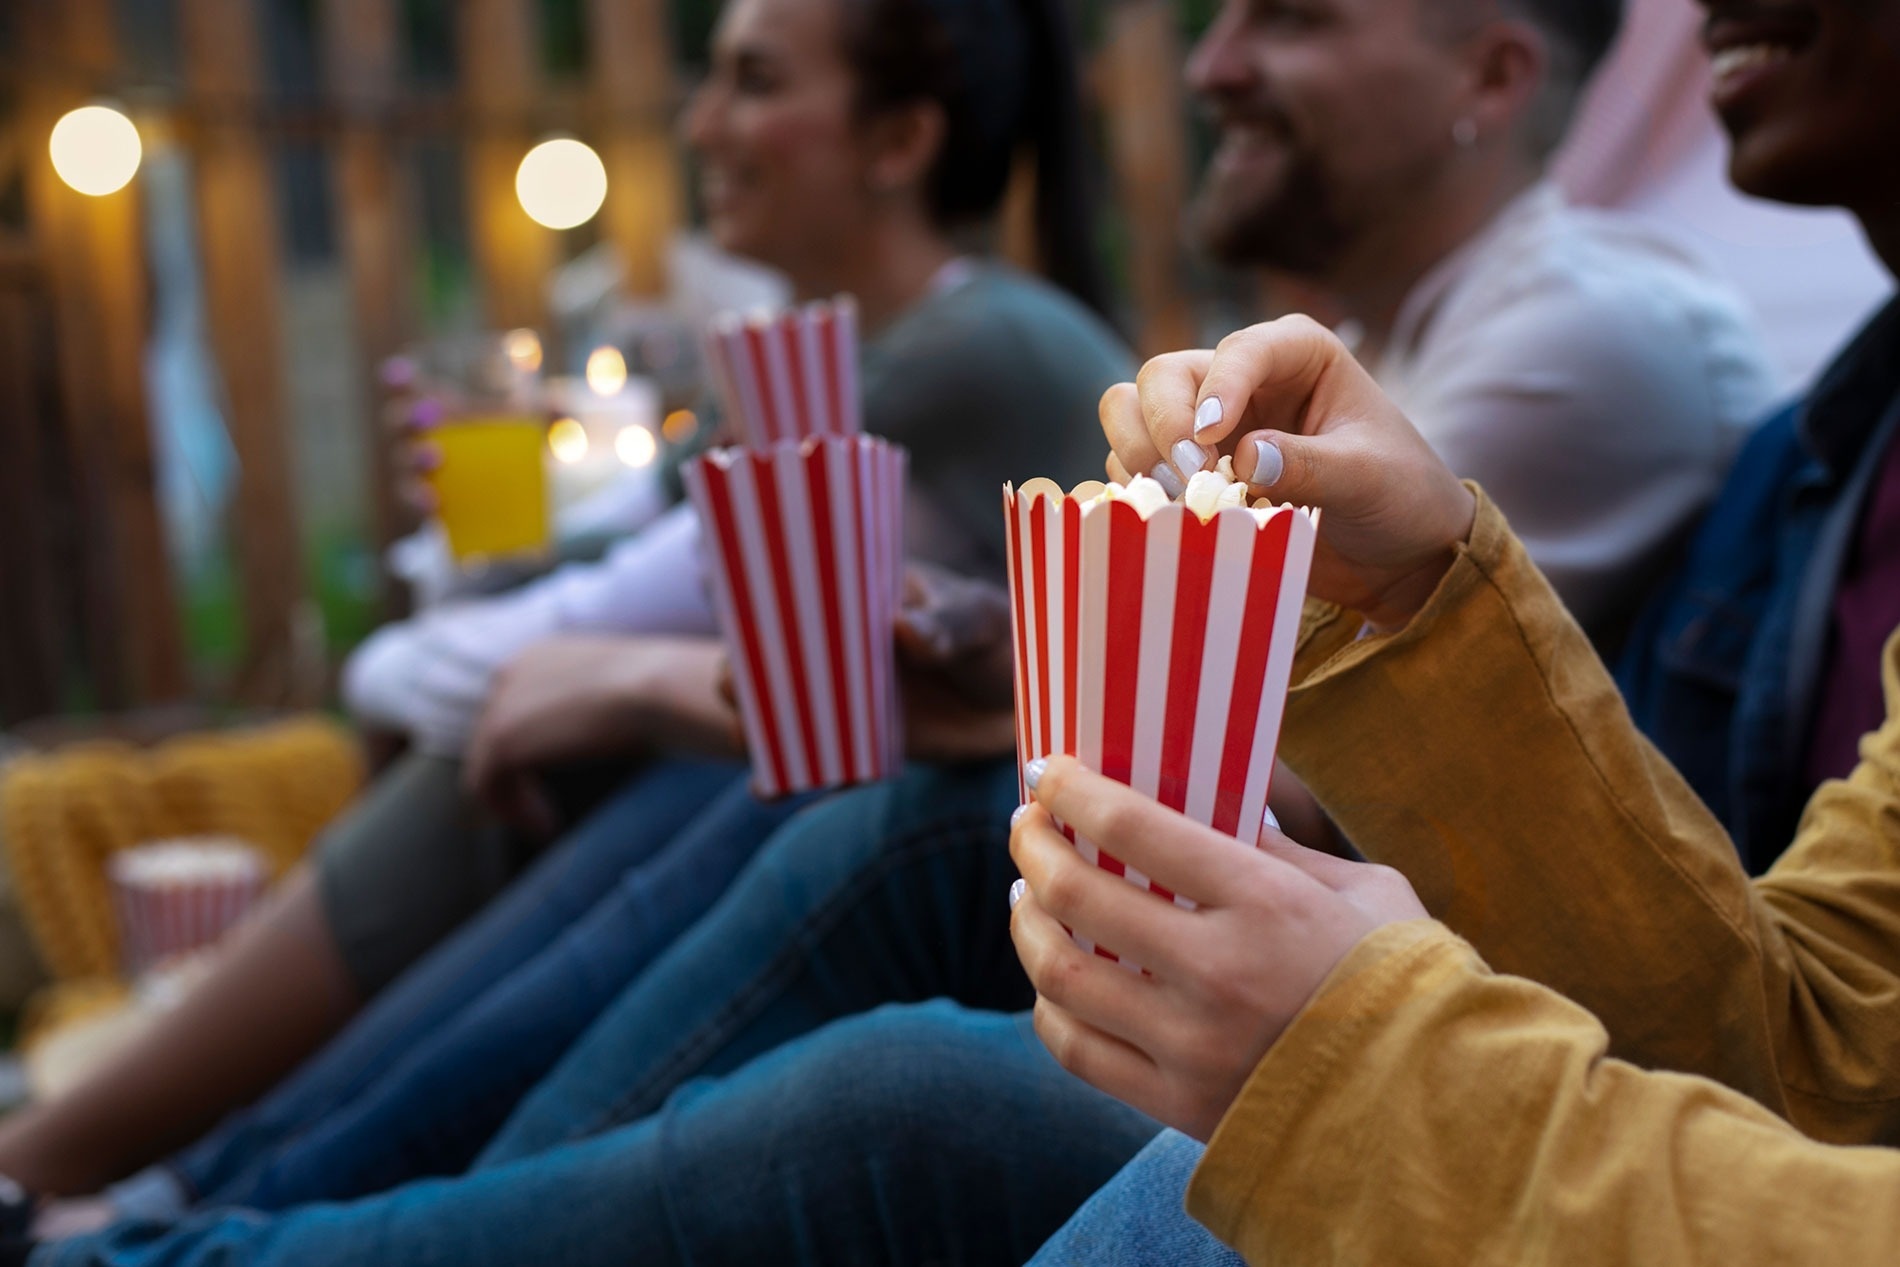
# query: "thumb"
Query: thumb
1283,466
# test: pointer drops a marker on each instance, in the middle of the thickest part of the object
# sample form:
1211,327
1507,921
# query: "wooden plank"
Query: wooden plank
32,654
633,85
1139,79
499,46
92,250
362,58
238,237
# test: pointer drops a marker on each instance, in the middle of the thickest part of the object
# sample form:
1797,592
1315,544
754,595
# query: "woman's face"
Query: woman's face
781,159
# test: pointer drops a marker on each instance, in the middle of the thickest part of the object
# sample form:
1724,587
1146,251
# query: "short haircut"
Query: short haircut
1579,33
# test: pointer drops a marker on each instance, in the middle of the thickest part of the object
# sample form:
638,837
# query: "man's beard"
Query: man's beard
1297,230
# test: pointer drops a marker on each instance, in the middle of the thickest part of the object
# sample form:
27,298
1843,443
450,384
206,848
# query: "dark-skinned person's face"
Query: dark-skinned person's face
1326,110
1809,91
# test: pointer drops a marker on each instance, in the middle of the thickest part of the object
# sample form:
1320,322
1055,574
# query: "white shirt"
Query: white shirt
1592,377
428,676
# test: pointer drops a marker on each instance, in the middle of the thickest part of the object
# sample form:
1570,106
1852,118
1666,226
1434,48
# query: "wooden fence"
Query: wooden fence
89,610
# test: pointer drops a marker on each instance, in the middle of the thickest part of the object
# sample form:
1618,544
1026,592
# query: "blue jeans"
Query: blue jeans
908,1135
888,894
1140,1218
419,1081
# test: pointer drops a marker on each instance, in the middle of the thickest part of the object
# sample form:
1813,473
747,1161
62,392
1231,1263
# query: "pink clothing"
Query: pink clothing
1646,142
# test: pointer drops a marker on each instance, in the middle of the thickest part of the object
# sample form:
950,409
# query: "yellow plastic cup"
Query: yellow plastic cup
491,488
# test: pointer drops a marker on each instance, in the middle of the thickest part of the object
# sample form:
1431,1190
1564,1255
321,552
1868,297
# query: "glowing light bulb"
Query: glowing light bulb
523,348
636,446
96,150
567,439
606,371
561,183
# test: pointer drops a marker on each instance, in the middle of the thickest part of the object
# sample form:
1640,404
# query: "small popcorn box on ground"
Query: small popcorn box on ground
173,897
1156,650
806,544
787,375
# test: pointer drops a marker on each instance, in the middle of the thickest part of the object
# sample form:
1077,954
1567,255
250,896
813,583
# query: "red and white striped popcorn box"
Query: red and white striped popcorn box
790,374
173,897
806,545
1157,651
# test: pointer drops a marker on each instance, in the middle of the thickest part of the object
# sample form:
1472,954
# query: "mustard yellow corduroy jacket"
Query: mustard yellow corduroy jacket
1425,1108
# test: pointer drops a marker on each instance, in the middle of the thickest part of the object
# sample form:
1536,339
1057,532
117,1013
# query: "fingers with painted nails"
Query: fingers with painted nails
1306,424
1223,979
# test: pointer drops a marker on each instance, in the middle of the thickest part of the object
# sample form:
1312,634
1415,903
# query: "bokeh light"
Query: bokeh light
96,150
636,446
561,183
524,350
680,426
567,439
606,371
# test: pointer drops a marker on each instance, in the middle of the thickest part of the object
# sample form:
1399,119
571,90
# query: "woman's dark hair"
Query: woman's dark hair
1003,71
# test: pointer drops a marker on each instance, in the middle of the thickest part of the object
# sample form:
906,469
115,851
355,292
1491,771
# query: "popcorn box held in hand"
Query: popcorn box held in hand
787,375
174,897
1156,648
806,567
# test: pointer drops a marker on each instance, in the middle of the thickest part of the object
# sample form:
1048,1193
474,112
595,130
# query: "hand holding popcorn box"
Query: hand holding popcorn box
1154,640
787,375
173,897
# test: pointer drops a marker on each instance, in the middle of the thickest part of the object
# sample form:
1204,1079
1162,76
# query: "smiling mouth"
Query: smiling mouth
1742,38
1731,62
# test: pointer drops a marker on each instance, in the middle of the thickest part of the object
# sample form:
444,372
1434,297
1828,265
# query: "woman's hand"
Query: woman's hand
583,698
1304,424
1224,980
955,666
410,413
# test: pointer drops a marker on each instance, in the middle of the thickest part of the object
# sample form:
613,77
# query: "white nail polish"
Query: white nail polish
1171,483
1190,458
1016,816
1016,892
1207,416
1268,465
1032,773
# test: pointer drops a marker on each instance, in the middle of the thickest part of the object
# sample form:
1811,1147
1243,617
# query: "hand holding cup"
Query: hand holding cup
1224,979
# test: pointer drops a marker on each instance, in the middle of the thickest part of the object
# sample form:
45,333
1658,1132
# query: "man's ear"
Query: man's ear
1510,66
903,144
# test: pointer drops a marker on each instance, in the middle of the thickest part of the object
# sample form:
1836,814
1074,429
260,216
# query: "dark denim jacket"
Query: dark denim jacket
1721,670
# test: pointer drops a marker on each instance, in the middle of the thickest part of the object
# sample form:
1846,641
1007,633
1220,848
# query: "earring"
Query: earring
1465,133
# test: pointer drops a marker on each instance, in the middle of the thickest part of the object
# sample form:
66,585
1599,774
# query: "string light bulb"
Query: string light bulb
561,183
636,447
96,150
606,370
523,349
567,440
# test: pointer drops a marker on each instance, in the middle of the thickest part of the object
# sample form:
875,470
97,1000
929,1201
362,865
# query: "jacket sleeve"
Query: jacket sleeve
1484,751
1422,1110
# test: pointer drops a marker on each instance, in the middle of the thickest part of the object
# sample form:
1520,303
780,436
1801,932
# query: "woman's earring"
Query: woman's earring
1465,133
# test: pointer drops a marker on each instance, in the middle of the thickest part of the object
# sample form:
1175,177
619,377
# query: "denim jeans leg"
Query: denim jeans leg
548,898
433,1110
892,893
1140,1218
905,1136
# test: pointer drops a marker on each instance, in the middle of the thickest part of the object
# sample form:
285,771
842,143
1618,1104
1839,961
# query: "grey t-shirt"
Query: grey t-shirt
993,379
